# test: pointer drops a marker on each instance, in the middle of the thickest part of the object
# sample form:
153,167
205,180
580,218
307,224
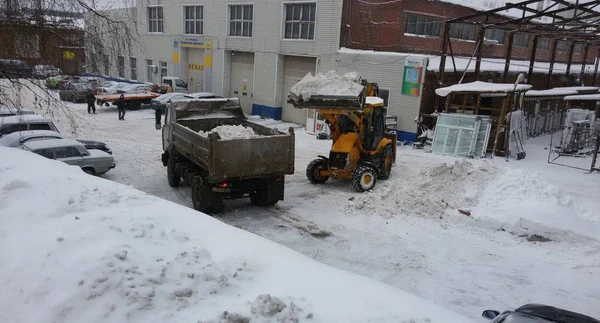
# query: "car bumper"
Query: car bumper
112,166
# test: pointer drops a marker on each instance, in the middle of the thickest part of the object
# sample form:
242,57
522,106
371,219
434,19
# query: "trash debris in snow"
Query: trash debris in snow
330,83
232,132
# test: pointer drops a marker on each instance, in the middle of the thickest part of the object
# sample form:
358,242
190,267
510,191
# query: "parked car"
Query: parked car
25,122
44,71
176,83
72,152
14,68
537,313
53,82
112,89
203,95
133,88
161,101
7,112
63,82
75,92
17,139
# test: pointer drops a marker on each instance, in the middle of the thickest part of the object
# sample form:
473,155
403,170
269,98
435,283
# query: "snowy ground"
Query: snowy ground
408,232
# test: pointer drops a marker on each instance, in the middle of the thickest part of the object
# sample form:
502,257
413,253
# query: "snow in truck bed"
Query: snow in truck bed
98,251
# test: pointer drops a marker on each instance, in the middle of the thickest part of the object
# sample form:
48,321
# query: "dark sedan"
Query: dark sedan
75,92
537,313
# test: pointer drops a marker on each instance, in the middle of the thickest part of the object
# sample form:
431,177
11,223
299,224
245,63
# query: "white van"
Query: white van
177,84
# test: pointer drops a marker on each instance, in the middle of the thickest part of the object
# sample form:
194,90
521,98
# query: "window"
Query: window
561,46
180,83
240,20
121,66
106,64
40,126
521,40
149,67
155,19
133,64
193,20
163,69
385,95
543,43
67,152
495,34
422,25
463,31
578,48
48,153
300,21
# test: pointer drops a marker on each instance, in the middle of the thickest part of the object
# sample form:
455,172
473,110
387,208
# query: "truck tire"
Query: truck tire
173,175
312,171
261,198
364,178
388,160
203,198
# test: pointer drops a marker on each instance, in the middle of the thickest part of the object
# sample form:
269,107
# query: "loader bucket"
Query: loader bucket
209,108
327,101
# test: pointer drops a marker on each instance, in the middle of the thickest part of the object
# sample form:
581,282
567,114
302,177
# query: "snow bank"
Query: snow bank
232,132
77,248
326,84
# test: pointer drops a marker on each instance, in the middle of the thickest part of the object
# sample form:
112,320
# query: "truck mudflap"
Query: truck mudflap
164,157
264,191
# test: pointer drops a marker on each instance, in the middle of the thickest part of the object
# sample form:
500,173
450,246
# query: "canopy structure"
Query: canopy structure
578,21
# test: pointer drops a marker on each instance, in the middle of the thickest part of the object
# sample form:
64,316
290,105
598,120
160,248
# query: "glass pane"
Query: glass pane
420,28
245,29
289,11
160,26
250,13
297,12
238,12
411,22
238,28
231,12
304,30
288,30
250,30
160,12
199,27
200,12
313,12
295,30
311,33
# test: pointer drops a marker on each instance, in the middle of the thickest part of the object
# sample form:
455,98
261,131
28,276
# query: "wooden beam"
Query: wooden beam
508,54
480,41
585,53
570,59
596,66
532,58
444,53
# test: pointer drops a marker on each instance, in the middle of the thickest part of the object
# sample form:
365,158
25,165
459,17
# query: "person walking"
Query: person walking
121,107
90,102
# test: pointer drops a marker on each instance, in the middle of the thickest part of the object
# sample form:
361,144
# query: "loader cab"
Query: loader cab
373,124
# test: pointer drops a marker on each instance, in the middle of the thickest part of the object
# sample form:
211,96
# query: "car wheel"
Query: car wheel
89,171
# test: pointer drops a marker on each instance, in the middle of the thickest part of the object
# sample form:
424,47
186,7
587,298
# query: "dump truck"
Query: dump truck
363,150
219,167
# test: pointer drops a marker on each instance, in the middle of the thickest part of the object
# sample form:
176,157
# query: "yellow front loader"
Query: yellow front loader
362,150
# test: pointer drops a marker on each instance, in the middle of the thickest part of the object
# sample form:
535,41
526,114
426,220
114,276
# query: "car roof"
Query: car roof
51,143
16,111
555,314
25,118
202,94
14,137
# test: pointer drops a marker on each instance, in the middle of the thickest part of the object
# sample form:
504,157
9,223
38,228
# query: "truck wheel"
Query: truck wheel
173,176
313,171
203,198
388,159
364,178
260,198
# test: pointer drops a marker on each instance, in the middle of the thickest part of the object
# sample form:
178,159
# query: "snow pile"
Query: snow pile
523,200
326,84
232,132
91,250
429,193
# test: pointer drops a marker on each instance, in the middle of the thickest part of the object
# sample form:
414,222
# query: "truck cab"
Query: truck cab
177,84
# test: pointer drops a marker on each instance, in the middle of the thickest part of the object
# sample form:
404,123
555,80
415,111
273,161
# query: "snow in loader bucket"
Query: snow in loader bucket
328,90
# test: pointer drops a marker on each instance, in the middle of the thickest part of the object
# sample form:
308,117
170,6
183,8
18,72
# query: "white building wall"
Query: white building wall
269,49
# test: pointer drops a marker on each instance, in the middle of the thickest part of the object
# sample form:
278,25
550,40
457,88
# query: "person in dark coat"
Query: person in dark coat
91,104
121,107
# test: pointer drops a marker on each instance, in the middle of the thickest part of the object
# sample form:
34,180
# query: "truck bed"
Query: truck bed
238,159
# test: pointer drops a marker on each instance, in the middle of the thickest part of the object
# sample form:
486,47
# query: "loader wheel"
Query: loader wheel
388,159
313,171
173,176
364,178
203,198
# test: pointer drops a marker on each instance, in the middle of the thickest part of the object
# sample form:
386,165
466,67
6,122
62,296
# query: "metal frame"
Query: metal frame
581,24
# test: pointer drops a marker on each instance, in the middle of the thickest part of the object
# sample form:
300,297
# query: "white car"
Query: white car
7,112
202,95
134,88
111,89
72,152
19,138
25,122
161,101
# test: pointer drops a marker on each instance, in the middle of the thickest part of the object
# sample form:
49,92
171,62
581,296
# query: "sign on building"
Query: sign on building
413,74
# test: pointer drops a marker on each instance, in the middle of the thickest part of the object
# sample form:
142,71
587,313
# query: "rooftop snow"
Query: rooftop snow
497,65
124,255
578,88
483,87
330,83
551,92
583,97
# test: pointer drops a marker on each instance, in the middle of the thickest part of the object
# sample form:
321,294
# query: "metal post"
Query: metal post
571,49
480,41
596,67
552,58
532,58
445,40
508,53
585,53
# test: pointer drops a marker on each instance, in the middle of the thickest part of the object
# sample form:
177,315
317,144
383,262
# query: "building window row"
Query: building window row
299,22
423,25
